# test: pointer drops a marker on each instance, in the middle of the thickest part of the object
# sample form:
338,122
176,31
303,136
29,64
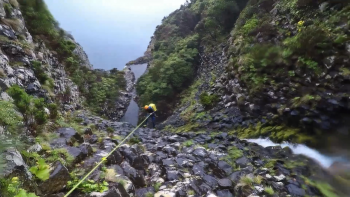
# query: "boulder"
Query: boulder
15,164
225,183
242,162
59,176
137,179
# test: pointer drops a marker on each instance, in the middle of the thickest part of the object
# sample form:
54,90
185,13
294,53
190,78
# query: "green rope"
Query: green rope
105,158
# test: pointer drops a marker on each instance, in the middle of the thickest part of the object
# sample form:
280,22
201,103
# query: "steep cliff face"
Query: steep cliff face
283,63
45,76
19,51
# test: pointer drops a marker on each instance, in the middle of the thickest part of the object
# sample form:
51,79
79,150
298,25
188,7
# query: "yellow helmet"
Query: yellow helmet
146,107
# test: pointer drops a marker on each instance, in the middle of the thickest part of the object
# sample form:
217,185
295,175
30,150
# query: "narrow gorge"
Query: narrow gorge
252,99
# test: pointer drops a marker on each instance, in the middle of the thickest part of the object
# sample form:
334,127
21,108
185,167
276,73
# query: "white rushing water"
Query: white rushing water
324,160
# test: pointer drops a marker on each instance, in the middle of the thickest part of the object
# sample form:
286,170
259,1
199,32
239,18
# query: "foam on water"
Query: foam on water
324,160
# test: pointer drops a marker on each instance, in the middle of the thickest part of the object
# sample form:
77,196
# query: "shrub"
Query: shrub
53,110
9,117
29,106
21,99
39,72
110,130
250,25
208,100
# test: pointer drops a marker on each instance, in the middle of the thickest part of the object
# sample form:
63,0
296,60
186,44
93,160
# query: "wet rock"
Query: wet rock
15,164
148,157
59,176
210,180
70,135
168,162
295,190
160,156
200,152
224,193
235,176
76,153
242,162
137,179
143,191
129,186
198,169
58,143
170,150
117,191
224,166
181,162
172,175
225,183
277,185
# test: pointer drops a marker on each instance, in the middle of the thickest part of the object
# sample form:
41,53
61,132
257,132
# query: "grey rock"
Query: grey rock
235,176
295,191
242,162
15,163
224,193
4,96
59,176
280,177
224,166
324,6
200,152
225,183
35,148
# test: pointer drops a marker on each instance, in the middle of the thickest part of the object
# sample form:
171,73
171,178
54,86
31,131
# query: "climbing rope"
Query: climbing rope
105,158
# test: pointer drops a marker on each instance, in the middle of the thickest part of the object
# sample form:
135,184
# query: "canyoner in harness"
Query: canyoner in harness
151,109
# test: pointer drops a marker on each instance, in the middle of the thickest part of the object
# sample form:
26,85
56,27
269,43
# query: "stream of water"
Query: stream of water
132,113
324,160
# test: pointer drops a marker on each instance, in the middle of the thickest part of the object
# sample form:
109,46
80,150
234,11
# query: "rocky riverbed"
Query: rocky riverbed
160,163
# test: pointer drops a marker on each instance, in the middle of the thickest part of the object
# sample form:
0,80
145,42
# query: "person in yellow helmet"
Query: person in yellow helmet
151,110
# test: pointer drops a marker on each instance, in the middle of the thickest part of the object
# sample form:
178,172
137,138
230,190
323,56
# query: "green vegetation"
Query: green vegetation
190,192
99,88
175,53
30,107
269,190
246,181
41,170
134,140
88,186
258,179
232,154
13,188
325,188
149,194
9,117
188,143
274,132
208,100
157,186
